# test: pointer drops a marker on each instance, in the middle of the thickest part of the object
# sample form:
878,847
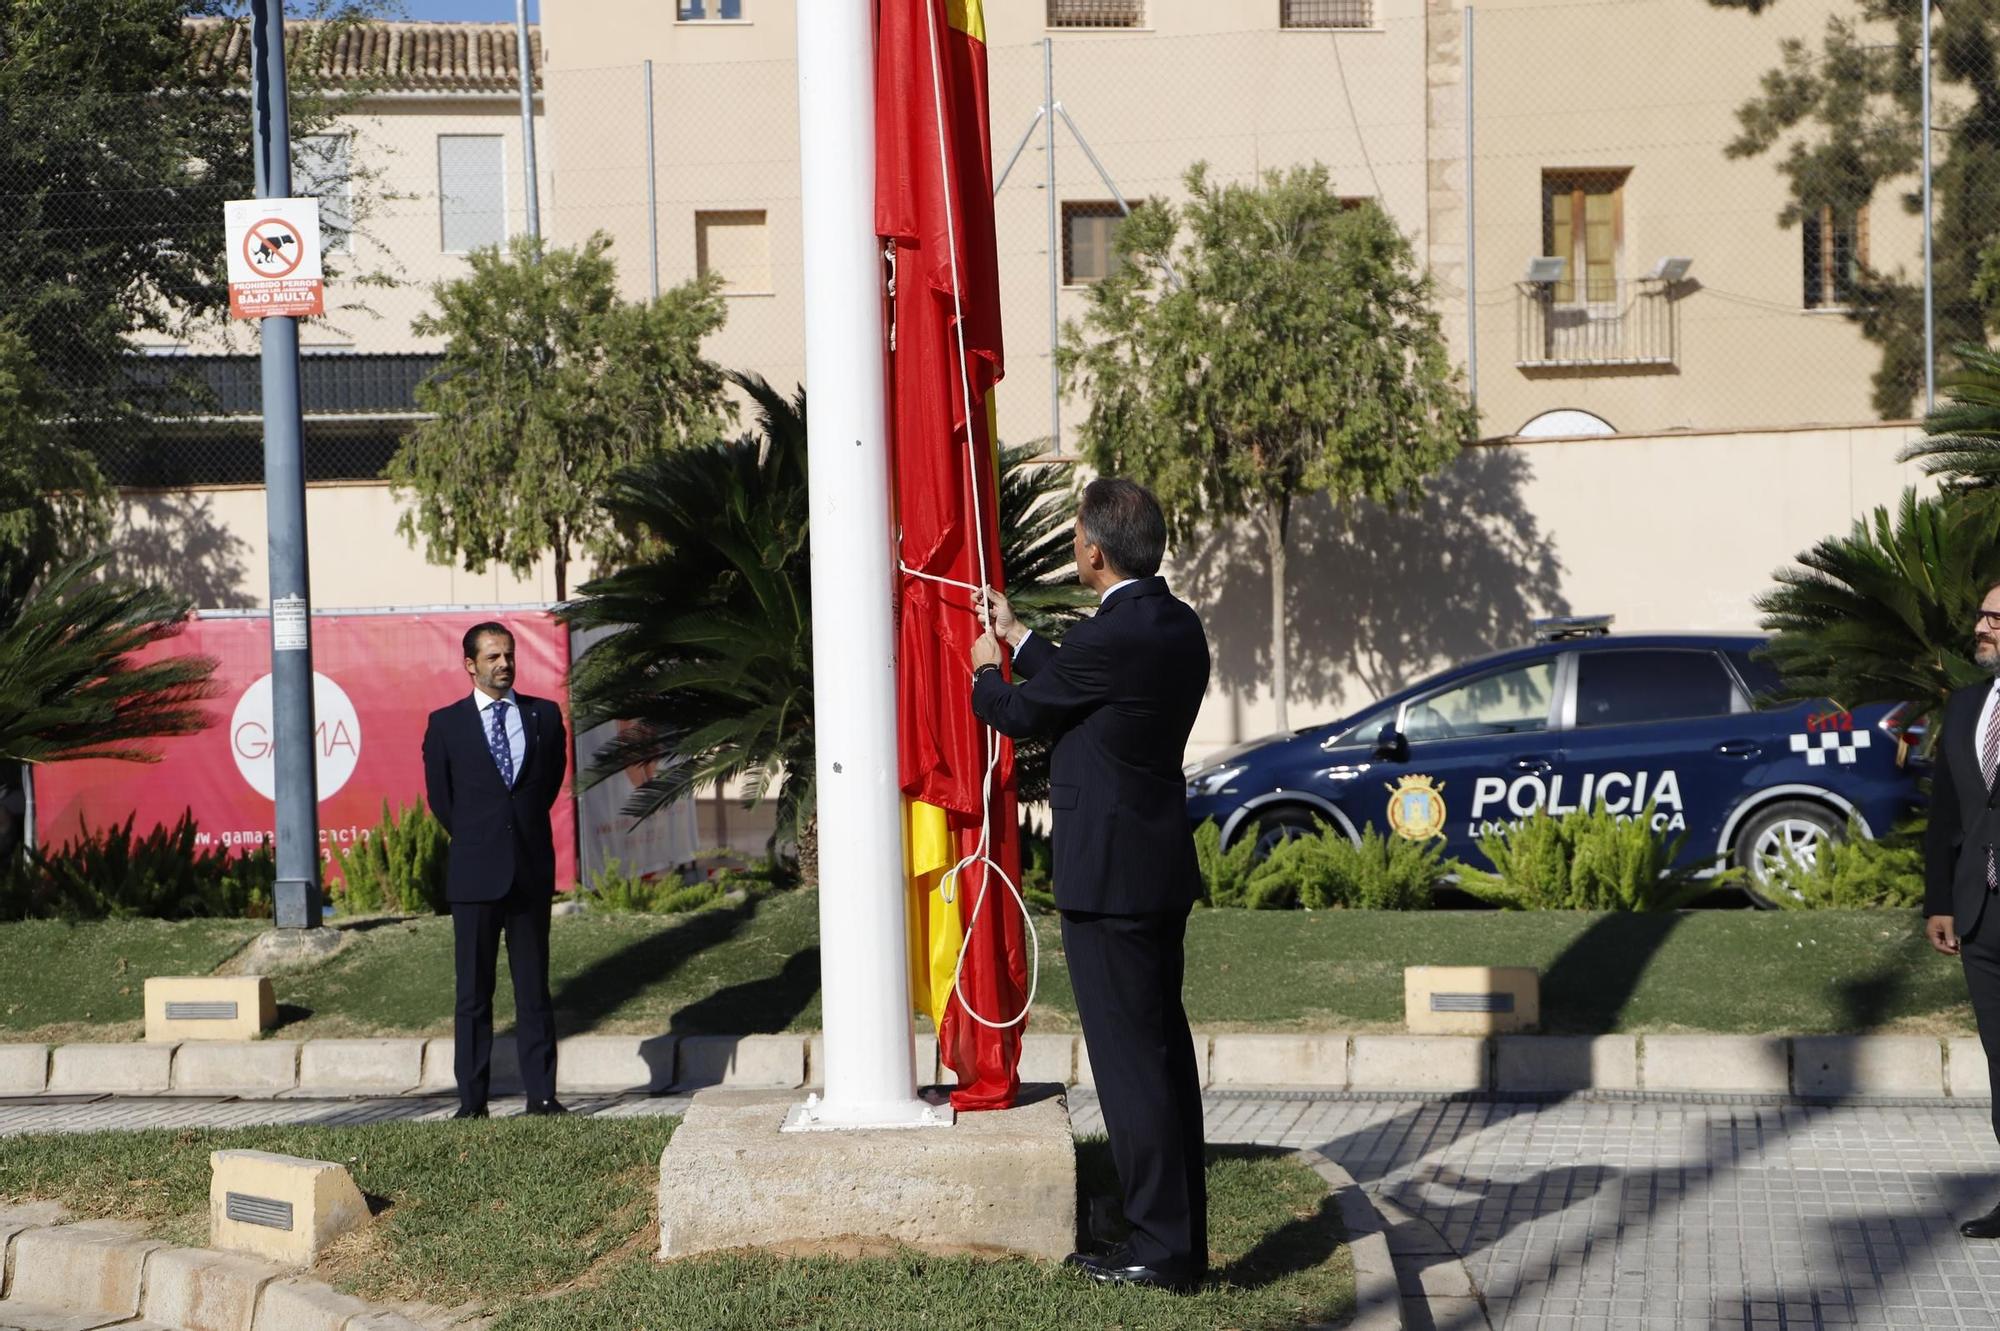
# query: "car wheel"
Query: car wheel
1284,825
1789,827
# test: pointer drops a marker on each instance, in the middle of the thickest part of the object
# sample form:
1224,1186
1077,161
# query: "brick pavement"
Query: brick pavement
1598,1213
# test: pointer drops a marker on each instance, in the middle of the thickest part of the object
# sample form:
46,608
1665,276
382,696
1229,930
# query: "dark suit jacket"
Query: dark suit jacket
1964,821
495,832
1119,697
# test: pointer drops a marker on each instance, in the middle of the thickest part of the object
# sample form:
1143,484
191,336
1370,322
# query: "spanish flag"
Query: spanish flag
934,201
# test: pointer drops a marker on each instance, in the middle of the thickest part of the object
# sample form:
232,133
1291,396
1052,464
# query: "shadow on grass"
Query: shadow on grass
290,1014
1867,1002
1301,1244
759,1006
1587,986
608,983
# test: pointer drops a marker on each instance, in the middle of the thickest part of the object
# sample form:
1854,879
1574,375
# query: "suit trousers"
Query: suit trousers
523,916
1980,955
1126,971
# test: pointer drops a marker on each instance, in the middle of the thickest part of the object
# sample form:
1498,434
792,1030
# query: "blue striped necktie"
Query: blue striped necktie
503,752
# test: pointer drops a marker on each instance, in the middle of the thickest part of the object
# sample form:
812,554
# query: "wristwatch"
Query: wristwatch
981,669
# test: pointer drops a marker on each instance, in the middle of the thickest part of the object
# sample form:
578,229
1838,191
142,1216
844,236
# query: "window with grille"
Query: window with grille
1090,241
693,11
1834,249
472,191
736,244
1583,221
1097,13
1326,13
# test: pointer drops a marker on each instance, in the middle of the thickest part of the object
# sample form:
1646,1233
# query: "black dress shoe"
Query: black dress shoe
1982,1227
1117,1268
544,1108
469,1111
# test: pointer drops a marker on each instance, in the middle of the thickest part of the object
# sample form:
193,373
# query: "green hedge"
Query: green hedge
113,874
398,866
1320,872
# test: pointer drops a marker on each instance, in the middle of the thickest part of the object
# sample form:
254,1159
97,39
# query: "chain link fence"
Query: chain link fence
1640,215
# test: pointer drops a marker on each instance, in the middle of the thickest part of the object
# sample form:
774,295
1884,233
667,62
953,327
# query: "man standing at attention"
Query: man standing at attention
493,765
1961,862
1119,697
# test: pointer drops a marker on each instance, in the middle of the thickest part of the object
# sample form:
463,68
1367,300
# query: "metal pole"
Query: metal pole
652,185
1049,184
297,895
1930,286
1471,234
864,970
527,66
28,805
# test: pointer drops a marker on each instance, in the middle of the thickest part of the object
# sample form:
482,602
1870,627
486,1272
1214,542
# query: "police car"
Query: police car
1666,722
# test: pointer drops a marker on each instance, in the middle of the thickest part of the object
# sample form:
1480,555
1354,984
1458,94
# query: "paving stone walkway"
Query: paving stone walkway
1595,1213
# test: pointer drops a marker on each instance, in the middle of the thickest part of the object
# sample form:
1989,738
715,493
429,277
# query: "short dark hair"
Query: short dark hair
478,631
1122,519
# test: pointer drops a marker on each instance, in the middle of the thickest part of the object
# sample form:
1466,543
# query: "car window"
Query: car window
1619,688
1760,676
1506,702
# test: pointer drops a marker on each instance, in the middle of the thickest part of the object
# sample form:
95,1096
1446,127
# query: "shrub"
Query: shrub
1858,873
616,891
165,874
1328,870
1226,873
1582,860
398,866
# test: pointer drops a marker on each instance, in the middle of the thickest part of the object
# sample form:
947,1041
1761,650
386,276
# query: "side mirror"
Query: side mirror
1392,744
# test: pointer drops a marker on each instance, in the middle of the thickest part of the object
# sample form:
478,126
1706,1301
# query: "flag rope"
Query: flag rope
983,851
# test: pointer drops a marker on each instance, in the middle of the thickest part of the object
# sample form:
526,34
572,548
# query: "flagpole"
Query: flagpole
870,1074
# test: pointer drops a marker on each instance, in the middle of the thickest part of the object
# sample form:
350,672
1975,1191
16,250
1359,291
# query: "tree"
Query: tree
549,385
1282,347
117,150
707,659
1961,441
54,502
1847,119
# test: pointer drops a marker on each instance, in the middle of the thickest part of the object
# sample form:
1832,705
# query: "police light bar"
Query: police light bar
1558,627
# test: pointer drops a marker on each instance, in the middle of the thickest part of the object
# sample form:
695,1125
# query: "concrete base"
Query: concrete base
995,1184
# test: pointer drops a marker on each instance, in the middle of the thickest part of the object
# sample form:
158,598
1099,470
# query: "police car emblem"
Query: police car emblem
1416,807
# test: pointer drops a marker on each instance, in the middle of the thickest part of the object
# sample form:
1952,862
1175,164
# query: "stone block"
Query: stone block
1471,1000
742,1060
1552,1063
361,1067
439,1078
115,1069
81,1269
1867,1065
24,1069
1967,1073
1437,1063
191,1290
607,1063
993,1184
1049,1058
208,1007
1748,1063
279,1207
1085,1077
241,1067
1318,1061
305,1305
923,1053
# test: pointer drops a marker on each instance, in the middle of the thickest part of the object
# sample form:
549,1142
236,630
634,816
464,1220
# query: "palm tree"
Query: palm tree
1961,440
706,661
1884,614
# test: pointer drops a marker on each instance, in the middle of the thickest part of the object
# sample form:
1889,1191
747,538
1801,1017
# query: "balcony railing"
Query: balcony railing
1097,13
1326,13
1624,323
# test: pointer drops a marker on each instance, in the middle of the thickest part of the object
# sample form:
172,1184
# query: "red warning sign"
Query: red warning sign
273,257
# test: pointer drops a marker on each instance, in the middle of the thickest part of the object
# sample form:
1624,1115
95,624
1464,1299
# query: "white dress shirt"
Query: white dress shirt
1979,730
517,734
1104,596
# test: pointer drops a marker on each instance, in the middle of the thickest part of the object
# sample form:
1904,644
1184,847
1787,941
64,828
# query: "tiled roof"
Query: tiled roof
397,57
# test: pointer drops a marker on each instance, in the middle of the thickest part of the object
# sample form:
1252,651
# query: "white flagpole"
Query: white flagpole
864,977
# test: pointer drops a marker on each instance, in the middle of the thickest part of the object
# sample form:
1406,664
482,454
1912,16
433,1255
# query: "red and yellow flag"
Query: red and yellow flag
934,199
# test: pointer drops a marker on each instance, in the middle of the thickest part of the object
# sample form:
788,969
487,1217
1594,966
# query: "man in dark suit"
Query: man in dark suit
1119,697
494,763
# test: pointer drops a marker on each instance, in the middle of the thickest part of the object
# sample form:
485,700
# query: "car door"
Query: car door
1466,746
1665,726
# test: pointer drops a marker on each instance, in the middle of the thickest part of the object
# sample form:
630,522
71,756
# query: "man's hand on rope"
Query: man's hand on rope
1000,616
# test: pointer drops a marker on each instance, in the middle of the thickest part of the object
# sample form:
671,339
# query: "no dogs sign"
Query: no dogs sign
273,254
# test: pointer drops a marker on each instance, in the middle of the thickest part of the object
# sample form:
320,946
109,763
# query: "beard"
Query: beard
1986,655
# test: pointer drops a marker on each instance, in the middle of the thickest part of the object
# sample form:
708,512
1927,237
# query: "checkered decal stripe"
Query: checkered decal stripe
1844,745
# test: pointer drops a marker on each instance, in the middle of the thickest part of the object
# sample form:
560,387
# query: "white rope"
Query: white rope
983,852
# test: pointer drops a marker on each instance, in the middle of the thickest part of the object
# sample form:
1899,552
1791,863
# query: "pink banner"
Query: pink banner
377,679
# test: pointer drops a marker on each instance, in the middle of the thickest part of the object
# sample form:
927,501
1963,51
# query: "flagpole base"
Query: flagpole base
1001,1183
817,1115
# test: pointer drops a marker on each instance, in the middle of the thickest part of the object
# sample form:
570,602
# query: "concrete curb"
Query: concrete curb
1378,1298
93,1274
1818,1067
1436,1288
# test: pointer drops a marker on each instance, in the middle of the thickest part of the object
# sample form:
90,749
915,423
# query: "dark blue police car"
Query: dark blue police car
1670,722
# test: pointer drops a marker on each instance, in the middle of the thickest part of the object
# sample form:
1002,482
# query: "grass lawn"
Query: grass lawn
753,967
550,1224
